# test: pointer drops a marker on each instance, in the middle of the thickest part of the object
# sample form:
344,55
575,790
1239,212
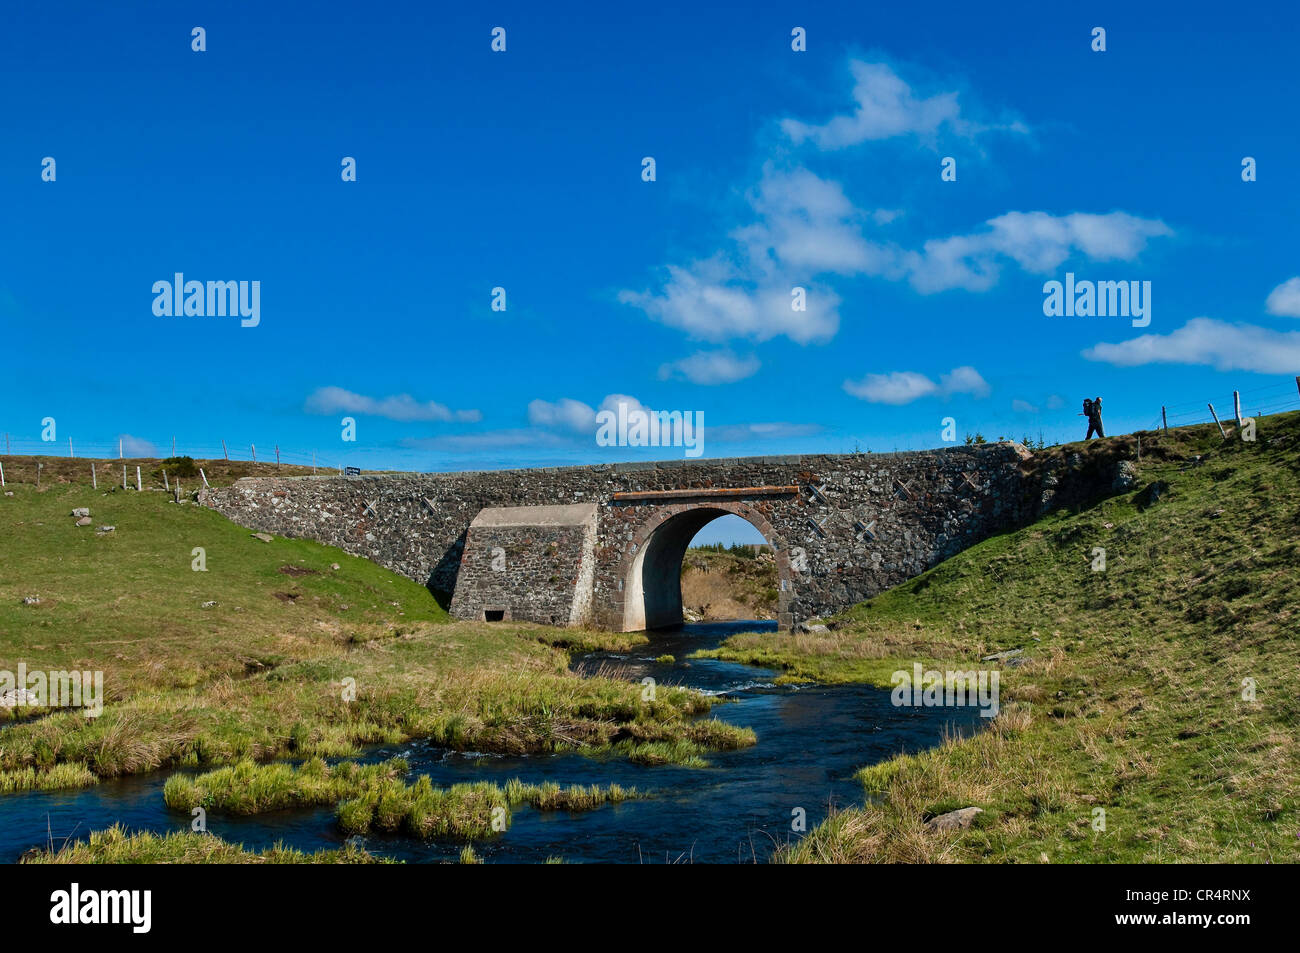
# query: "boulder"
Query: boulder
958,820
84,521
264,537
81,511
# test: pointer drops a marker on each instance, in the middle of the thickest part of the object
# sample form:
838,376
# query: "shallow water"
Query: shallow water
810,741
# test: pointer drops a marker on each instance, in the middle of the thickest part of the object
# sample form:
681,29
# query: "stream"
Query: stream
811,739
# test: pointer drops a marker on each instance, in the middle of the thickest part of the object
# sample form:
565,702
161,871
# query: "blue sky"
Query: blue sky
522,169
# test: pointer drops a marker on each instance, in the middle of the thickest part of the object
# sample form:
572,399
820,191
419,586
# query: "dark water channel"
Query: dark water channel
810,741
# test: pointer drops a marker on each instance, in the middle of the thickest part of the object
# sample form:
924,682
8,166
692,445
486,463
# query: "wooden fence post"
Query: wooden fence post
224,450
2,474
1216,420
1164,418
204,475
1236,407
253,447
94,482
139,487
124,476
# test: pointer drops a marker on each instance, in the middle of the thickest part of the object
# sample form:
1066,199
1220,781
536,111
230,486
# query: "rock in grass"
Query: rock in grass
18,696
208,605
1000,656
264,537
31,600
958,820
334,565
107,529
81,511
84,521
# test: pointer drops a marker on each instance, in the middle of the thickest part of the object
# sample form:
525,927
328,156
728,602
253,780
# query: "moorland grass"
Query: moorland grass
115,845
1136,697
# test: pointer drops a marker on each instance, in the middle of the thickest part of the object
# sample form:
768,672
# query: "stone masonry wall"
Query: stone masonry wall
854,524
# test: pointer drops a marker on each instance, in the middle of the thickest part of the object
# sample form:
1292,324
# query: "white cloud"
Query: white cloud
741,433
403,407
885,106
565,413
1284,300
711,367
1223,346
804,226
903,387
1023,407
1038,242
136,446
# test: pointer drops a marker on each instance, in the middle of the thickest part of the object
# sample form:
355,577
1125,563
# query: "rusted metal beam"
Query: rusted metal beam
710,493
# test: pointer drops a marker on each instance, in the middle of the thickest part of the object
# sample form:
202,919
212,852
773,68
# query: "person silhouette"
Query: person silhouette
1092,410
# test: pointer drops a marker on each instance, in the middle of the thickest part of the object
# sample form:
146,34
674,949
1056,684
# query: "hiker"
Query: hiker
1092,410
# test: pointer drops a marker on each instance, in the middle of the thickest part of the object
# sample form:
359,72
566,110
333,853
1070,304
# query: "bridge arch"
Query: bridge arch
652,569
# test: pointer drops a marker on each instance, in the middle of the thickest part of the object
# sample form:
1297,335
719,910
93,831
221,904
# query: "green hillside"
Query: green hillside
1131,698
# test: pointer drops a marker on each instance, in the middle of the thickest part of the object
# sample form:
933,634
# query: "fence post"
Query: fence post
1216,420
1236,407
139,487
124,476
166,485
1164,419
277,457
224,450
94,482
119,456
204,475
2,474
70,453
39,467
253,447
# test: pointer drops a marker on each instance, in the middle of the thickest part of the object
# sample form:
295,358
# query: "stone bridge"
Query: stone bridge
603,545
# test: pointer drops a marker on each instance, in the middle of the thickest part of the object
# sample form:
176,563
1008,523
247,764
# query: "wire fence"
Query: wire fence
136,449
1253,403
1256,402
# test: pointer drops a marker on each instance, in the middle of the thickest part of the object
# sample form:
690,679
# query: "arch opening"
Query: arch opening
652,581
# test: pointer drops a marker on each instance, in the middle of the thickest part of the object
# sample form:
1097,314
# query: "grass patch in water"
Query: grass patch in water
64,775
249,788
116,846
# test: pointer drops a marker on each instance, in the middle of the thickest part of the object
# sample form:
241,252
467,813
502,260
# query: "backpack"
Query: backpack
1087,407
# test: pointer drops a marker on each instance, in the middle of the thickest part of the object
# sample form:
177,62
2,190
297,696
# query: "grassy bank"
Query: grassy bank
1130,734
728,585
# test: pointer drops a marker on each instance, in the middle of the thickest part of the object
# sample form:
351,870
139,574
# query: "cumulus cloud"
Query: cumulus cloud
403,407
1023,407
1038,242
903,387
566,414
711,367
1218,344
884,107
1284,300
136,446
803,231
